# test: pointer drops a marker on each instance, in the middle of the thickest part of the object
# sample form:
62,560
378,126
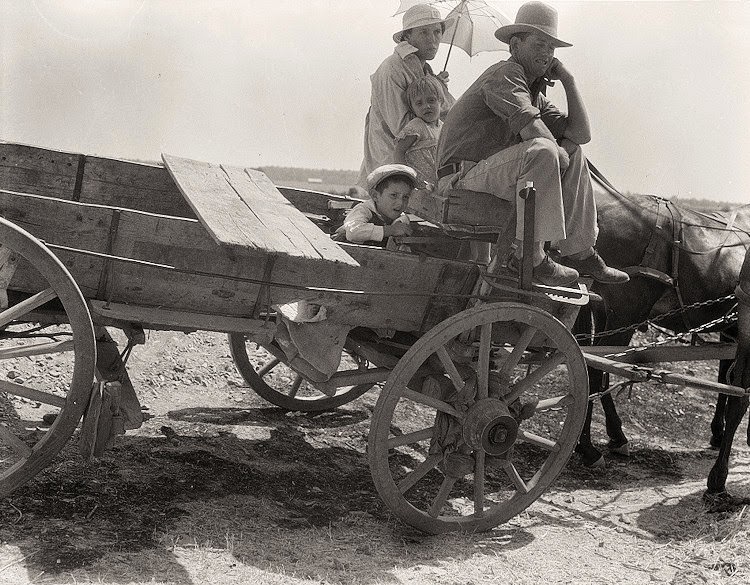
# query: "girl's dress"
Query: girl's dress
422,156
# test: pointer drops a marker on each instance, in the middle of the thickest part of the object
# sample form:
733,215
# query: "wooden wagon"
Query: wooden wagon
485,387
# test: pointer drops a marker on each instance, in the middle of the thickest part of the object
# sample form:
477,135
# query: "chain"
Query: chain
676,311
729,317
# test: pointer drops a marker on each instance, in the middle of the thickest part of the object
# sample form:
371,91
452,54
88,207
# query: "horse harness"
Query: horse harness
669,218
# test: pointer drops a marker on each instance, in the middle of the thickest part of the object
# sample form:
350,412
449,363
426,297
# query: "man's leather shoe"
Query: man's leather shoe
548,272
595,267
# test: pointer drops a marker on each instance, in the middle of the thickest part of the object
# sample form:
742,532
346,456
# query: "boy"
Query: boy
383,215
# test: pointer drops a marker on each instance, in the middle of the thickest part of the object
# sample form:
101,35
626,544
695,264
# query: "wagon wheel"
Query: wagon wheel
484,426
35,388
279,384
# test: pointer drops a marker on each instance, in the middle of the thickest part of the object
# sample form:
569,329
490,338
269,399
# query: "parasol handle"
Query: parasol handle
455,30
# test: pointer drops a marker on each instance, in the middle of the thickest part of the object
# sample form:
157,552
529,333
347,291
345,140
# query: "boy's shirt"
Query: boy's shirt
363,223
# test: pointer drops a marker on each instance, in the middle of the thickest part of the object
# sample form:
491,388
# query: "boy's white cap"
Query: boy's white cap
385,171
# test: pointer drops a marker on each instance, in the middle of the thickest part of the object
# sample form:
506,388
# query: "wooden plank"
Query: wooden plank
175,264
242,209
428,205
286,218
30,169
280,218
133,185
315,202
460,207
681,353
258,330
478,209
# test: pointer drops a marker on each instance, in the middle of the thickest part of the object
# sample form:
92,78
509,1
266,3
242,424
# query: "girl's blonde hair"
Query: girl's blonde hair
427,85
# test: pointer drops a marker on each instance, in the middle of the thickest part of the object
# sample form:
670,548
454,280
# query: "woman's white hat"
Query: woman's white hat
418,15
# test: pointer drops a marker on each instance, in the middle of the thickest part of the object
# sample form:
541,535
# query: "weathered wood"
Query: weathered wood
29,169
680,353
257,330
174,264
642,374
460,207
316,202
242,209
132,185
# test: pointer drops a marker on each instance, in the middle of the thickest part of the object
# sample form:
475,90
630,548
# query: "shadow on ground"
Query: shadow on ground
256,498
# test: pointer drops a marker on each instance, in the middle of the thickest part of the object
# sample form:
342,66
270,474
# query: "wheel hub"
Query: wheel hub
489,427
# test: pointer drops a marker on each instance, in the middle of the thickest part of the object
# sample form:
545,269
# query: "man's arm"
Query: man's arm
538,129
578,128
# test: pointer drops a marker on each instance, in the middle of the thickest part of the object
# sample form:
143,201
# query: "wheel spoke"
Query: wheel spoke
433,402
31,394
35,349
442,496
515,356
267,367
295,386
535,376
422,469
556,402
450,368
542,442
483,365
479,484
19,447
512,473
409,438
26,306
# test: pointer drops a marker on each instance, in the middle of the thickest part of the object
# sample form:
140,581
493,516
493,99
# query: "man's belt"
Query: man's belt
448,169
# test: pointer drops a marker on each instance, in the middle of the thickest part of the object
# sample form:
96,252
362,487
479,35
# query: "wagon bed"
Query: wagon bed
484,397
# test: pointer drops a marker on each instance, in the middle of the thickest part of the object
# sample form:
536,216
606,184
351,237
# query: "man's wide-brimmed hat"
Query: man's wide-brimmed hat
391,170
533,17
418,15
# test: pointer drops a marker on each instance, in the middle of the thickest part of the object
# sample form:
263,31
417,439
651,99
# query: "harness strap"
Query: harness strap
677,236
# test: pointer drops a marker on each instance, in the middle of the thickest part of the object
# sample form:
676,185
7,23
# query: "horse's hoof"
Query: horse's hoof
715,502
597,464
622,449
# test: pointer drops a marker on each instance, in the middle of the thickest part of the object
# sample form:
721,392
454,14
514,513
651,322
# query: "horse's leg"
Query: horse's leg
618,442
717,422
591,456
715,496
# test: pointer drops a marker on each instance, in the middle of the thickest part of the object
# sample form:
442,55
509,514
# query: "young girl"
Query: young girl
416,144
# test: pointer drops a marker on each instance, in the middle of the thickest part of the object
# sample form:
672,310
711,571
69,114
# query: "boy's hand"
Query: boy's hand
397,229
443,76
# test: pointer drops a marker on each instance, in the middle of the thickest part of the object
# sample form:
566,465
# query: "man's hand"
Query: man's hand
443,76
558,71
397,228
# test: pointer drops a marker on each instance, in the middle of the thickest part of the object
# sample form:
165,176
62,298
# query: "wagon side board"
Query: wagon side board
149,260
90,179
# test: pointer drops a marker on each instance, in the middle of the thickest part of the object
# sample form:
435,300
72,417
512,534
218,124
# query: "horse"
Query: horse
684,265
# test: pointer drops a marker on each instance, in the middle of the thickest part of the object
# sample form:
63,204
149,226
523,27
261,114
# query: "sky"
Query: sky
286,82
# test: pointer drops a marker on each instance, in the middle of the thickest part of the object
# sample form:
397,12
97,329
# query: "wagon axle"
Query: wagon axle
489,427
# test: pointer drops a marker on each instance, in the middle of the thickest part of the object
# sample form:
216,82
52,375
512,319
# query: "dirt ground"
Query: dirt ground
221,487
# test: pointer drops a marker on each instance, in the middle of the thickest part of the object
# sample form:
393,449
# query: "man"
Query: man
418,42
504,132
